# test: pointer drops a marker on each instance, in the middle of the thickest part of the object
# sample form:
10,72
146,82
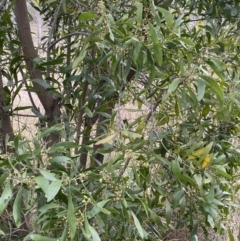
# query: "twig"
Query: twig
2,5
57,13
153,109
124,169
29,93
66,36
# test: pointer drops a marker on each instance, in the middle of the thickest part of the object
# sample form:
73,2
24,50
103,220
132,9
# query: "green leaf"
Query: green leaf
136,51
53,62
62,146
42,183
88,112
60,159
200,89
22,108
216,64
214,86
222,171
187,41
177,196
140,230
230,235
153,33
53,189
158,53
64,234
42,83
48,175
5,197
173,86
85,16
81,56
17,208
55,128
95,236
97,208
139,13
168,16
130,134
71,217
37,237
155,217
168,212
3,178
176,170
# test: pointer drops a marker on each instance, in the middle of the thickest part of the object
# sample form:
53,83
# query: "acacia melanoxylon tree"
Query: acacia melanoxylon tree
176,63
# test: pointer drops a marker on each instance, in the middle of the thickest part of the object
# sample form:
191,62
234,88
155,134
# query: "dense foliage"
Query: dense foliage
91,174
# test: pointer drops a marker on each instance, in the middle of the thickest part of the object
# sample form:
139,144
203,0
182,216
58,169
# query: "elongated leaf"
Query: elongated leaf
60,159
17,208
173,86
42,83
158,53
168,212
136,51
155,218
94,234
85,16
5,197
201,89
71,217
62,146
153,33
64,234
53,189
215,87
37,237
216,64
57,127
176,170
177,196
138,226
42,183
139,13
222,171
230,235
105,140
48,175
81,56
168,16
131,134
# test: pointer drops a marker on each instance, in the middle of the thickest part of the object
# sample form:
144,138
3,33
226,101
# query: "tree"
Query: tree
176,62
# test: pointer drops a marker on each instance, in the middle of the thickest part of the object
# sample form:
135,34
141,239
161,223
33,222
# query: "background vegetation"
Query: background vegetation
87,171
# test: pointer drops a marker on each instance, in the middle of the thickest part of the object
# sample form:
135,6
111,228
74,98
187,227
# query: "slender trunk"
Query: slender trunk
50,104
103,122
5,124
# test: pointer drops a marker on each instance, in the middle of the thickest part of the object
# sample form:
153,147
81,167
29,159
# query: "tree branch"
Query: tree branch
57,13
66,36
3,5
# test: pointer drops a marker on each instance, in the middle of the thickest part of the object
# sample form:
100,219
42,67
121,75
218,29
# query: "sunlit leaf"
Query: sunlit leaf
105,140
53,189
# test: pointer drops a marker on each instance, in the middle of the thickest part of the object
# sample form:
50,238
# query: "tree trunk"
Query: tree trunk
50,104
6,125
102,121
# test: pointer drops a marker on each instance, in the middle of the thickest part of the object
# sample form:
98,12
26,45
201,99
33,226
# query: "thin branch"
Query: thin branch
153,109
66,36
80,116
29,93
13,114
51,33
124,169
2,5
